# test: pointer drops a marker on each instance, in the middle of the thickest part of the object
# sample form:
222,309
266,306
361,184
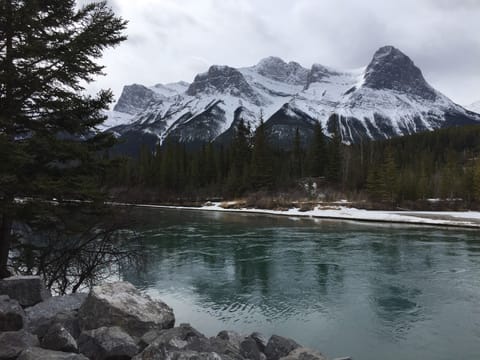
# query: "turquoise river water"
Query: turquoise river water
370,291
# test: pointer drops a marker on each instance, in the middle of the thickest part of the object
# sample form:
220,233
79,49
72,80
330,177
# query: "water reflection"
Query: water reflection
344,288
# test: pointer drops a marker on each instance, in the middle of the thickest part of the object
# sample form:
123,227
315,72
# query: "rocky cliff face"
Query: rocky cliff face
389,97
390,69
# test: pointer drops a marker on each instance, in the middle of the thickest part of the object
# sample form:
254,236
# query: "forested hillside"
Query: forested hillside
443,164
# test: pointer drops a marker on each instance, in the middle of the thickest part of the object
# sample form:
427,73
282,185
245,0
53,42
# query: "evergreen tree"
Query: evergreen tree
335,152
389,176
374,184
476,180
48,50
262,160
297,156
317,155
240,151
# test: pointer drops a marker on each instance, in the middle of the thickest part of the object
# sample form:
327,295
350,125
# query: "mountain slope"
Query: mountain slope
389,97
475,107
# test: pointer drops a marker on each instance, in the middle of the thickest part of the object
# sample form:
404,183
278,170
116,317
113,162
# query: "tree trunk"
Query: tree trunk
5,236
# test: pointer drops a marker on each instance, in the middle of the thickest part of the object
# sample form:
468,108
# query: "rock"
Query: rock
278,347
12,343
260,339
176,338
27,290
148,338
36,353
12,316
249,349
163,354
107,343
193,355
155,341
121,304
58,338
232,337
214,345
304,354
58,309
344,358
184,339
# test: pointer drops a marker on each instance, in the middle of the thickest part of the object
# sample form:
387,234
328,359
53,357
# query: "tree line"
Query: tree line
442,164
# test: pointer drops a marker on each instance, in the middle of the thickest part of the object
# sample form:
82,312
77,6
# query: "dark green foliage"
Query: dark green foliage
317,153
262,160
297,157
240,154
48,50
441,164
334,164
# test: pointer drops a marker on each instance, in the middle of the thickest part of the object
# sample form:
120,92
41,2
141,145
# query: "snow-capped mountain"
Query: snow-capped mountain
387,98
475,107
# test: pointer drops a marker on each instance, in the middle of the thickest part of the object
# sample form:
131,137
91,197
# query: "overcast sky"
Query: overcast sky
172,40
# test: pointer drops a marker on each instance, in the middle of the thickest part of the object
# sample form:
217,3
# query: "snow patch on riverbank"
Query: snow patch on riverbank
469,219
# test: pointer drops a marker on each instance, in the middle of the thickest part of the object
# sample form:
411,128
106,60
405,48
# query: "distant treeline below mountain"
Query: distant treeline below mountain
442,164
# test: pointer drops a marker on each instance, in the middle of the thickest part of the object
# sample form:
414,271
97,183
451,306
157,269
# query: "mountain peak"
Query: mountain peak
135,98
276,69
317,73
271,61
388,50
222,79
391,69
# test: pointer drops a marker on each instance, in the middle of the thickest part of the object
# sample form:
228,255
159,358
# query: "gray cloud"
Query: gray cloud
171,40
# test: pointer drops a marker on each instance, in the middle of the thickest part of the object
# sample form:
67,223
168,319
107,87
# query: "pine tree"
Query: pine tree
317,155
476,180
373,183
48,50
262,160
335,152
389,176
240,151
297,156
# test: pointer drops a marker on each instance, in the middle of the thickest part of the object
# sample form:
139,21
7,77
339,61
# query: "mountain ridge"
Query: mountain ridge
388,97
475,107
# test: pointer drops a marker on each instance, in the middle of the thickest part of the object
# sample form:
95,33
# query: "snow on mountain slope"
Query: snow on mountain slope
115,118
171,89
389,97
475,107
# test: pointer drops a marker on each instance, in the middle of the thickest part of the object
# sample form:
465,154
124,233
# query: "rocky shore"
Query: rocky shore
115,321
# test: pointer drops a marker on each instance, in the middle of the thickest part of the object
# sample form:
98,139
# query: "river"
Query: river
370,291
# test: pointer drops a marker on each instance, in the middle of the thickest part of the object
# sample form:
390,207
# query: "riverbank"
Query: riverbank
117,321
462,219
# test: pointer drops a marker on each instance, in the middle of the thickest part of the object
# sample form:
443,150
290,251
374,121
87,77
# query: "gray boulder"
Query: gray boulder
215,345
36,353
164,354
175,338
107,343
12,343
58,338
12,316
260,340
27,290
278,347
121,304
304,354
176,342
249,349
232,337
58,309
